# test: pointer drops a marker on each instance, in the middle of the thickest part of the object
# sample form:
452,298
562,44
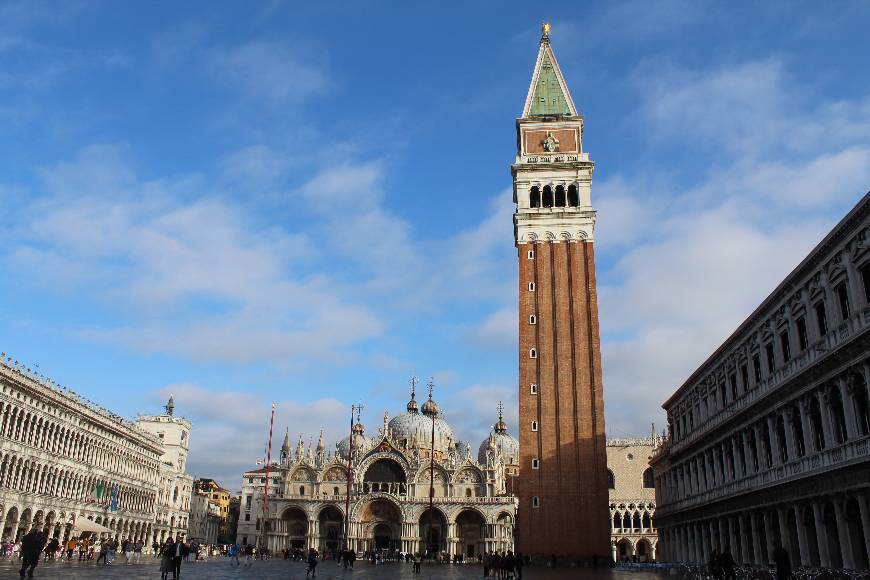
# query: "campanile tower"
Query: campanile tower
563,506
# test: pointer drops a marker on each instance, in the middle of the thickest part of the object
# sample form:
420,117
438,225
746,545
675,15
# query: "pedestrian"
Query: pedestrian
312,563
783,563
182,550
234,554
70,548
104,552
31,546
714,564
137,550
167,553
249,554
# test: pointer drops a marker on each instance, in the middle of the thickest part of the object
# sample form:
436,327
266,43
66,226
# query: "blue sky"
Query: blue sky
307,202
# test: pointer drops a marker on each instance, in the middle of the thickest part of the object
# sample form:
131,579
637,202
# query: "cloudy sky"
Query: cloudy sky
239,203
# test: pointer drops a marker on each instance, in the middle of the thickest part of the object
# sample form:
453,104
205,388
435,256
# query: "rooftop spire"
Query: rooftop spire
548,93
501,426
412,404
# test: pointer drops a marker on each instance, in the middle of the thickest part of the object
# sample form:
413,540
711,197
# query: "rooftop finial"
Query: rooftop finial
545,31
501,426
170,406
412,404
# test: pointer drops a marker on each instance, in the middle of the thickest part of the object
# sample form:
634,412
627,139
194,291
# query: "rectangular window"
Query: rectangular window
744,376
531,286
536,463
803,341
821,317
536,502
756,368
244,540
533,388
534,425
785,346
843,301
247,517
247,502
531,254
771,360
732,379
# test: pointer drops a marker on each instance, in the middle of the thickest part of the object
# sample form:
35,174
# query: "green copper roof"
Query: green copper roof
548,99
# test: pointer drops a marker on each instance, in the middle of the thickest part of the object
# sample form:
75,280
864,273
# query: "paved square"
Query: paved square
220,569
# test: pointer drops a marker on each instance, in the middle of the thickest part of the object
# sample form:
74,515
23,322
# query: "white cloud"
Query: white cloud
269,70
692,262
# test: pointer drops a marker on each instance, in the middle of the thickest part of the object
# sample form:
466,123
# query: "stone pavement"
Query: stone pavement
219,569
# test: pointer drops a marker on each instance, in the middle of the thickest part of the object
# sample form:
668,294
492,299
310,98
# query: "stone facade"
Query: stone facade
389,491
633,535
205,519
562,483
174,486
65,459
769,439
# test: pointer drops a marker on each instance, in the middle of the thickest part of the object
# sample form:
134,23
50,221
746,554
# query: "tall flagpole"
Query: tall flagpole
432,468
266,487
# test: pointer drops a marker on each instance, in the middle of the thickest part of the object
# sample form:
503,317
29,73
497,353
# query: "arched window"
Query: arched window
611,481
573,198
468,492
548,196
334,491
560,196
626,521
616,521
647,523
636,520
301,490
648,480
535,197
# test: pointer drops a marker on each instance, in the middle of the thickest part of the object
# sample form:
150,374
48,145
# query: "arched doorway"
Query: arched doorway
10,524
294,524
385,476
505,531
644,550
433,532
470,527
331,524
381,523
624,550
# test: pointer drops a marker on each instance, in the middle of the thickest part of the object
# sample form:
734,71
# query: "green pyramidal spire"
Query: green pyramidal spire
548,99
548,95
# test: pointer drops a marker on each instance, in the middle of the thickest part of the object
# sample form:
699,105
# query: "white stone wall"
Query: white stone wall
633,533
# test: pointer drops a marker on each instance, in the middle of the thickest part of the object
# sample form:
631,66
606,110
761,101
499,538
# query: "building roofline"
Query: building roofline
861,208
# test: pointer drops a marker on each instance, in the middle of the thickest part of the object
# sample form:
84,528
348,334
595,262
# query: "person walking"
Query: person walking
249,554
233,553
182,550
104,552
167,553
31,546
312,563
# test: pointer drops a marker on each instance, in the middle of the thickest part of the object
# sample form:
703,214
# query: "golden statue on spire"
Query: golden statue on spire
545,30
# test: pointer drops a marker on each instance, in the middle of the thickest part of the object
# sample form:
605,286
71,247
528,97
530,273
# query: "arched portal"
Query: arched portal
294,524
644,550
624,550
433,532
384,476
331,525
381,522
470,528
10,525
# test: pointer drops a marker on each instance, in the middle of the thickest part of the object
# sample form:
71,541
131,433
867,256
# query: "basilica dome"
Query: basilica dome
501,442
414,428
361,442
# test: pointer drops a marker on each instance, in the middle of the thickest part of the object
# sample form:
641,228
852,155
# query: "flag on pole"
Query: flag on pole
115,500
99,490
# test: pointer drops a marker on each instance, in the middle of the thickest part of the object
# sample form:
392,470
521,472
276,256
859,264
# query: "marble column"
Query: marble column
790,447
821,535
803,544
746,539
843,533
784,533
769,535
756,541
864,508
723,535
732,523
747,452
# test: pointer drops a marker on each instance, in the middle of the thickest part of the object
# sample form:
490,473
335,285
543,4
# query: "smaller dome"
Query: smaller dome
501,442
430,407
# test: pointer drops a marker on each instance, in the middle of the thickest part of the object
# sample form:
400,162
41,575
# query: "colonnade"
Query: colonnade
828,531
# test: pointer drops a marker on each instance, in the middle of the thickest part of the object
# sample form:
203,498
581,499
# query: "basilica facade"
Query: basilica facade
381,484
